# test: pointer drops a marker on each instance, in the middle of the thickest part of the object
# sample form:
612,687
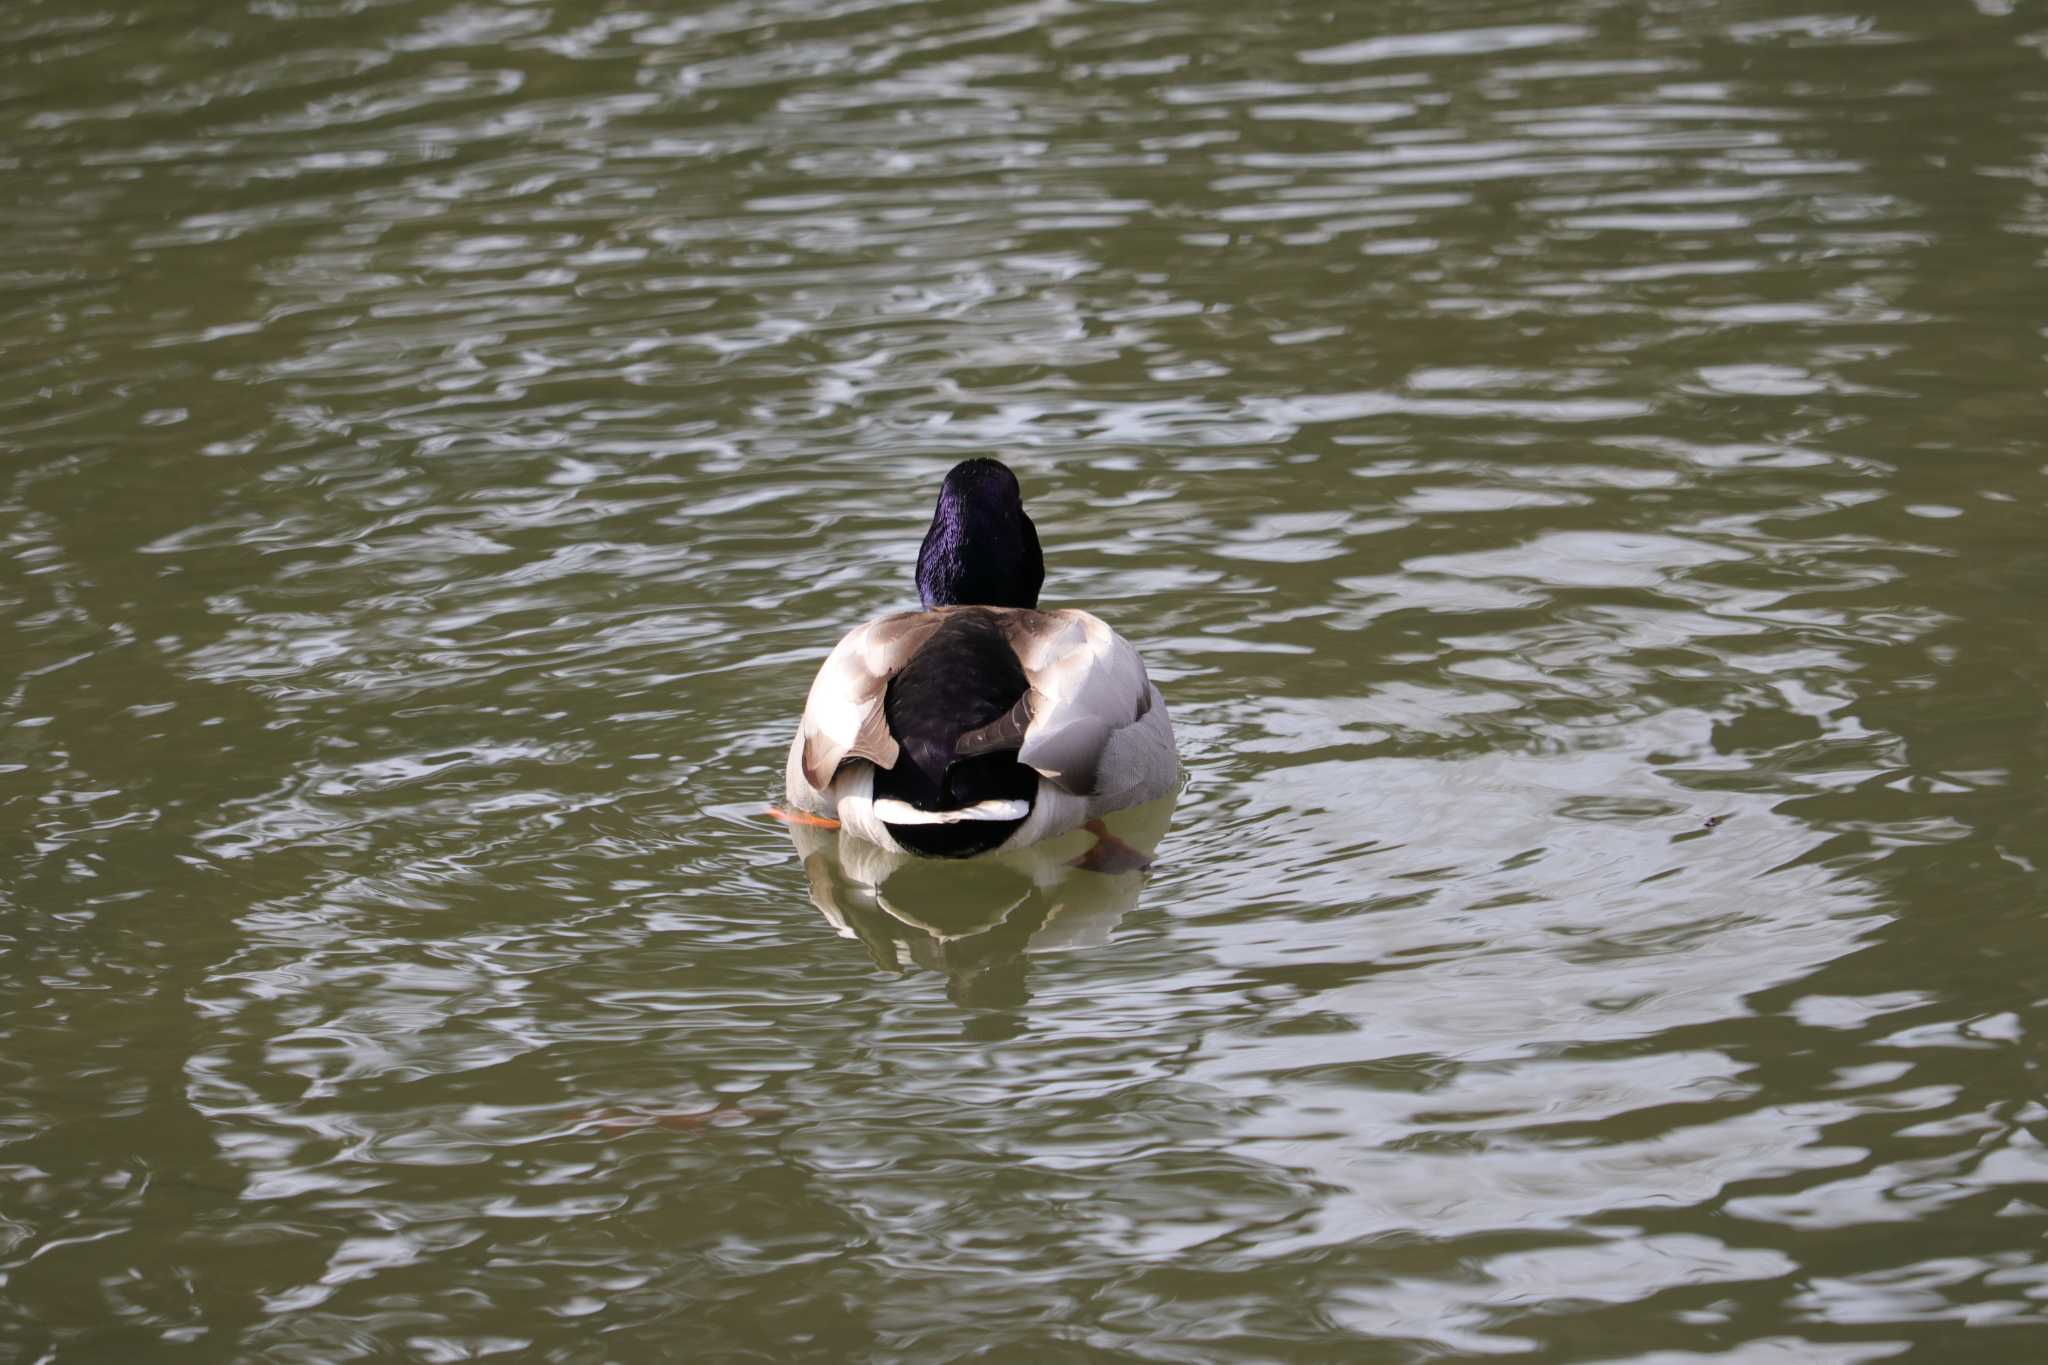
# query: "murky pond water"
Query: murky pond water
1575,470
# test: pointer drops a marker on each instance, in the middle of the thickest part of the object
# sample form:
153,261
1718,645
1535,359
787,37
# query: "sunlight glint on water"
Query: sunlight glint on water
1575,472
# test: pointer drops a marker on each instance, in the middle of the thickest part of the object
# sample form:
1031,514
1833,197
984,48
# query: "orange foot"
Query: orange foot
1110,855
801,817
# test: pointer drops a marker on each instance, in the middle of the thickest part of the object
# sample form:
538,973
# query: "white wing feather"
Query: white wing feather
1087,683
843,714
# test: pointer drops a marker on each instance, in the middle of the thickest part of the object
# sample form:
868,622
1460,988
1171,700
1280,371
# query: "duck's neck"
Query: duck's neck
980,551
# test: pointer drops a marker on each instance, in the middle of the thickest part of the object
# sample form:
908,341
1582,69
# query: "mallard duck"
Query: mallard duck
980,722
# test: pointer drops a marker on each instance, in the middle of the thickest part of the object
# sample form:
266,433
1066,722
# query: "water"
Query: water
1575,471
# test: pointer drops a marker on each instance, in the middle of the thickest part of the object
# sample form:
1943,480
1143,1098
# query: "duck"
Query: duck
982,722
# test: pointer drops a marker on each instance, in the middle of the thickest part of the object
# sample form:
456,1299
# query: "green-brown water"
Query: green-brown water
1575,469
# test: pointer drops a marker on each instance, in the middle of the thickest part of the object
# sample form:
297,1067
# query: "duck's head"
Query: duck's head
981,549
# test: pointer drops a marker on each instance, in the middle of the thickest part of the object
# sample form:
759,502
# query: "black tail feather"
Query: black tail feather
965,678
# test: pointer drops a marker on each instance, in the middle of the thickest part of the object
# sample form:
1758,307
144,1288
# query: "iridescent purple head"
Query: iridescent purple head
981,549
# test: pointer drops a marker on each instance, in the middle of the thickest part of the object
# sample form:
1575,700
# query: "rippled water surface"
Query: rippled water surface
1575,470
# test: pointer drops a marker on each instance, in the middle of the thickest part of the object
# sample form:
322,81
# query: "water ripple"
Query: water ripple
1573,471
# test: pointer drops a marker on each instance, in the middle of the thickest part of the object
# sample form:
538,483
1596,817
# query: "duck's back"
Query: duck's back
963,679
971,705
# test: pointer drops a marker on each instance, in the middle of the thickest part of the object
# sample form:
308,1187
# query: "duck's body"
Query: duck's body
958,730
981,722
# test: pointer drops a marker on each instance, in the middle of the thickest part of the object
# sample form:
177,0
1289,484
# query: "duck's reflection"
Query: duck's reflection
975,919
